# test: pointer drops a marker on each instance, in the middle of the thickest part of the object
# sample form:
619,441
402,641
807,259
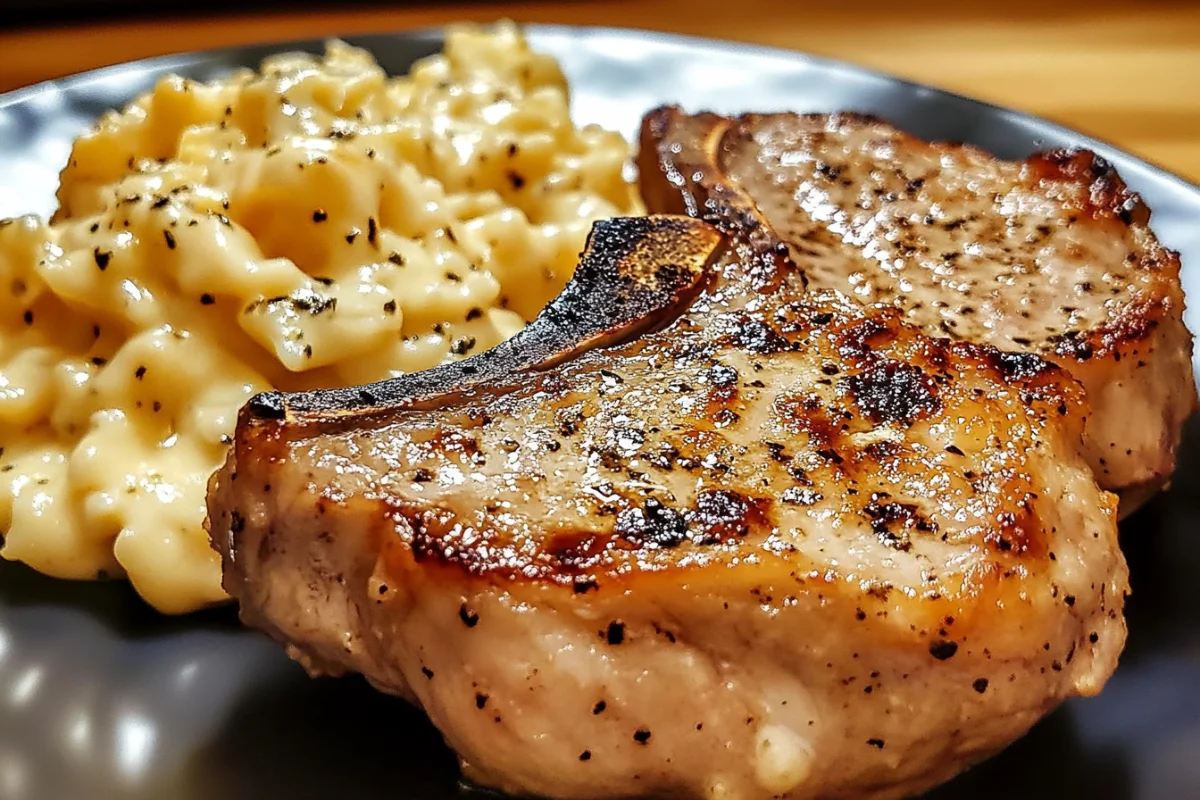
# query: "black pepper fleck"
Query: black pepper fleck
468,617
942,649
462,345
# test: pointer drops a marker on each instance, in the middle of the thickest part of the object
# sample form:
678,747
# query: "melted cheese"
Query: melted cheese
311,224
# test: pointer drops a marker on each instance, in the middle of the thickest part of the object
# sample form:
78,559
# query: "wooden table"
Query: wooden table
1125,72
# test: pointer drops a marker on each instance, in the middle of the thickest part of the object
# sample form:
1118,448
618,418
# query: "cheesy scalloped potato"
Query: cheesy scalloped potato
312,224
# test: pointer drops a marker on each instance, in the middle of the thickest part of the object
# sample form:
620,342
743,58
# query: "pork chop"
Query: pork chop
769,544
1051,255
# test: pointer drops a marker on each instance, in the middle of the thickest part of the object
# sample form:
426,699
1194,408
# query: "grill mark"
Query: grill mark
889,391
1018,366
755,336
721,514
653,525
894,523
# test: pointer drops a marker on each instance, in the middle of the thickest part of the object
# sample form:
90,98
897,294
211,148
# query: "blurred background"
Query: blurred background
1125,72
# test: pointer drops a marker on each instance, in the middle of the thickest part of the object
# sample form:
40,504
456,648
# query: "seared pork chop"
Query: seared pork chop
782,547
1051,255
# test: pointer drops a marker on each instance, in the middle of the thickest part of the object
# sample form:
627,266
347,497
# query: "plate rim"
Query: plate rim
157,65
168,61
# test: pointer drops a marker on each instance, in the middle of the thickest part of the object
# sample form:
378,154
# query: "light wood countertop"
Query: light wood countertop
1128,73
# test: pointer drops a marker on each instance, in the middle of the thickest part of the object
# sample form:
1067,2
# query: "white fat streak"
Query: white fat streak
782,759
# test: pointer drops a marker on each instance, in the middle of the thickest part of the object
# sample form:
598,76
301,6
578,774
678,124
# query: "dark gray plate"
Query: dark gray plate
100,697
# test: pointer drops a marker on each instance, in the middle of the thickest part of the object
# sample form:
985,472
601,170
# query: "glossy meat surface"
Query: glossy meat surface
783,546
1052,255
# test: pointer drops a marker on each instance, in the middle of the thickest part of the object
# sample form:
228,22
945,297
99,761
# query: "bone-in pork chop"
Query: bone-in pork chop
753,543
1052,255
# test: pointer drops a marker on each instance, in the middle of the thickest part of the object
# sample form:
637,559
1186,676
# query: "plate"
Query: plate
102,698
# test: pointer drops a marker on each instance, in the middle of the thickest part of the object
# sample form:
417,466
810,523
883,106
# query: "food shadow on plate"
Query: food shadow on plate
114,604
1050,762
323,738
340,738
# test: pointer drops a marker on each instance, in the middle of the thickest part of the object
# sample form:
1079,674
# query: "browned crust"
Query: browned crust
627,548
1108,195
1110,201
891,372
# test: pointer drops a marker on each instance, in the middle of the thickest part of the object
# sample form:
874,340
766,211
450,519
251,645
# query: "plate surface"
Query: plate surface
102,698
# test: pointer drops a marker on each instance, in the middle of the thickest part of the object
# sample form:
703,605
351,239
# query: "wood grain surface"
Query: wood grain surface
1126,72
